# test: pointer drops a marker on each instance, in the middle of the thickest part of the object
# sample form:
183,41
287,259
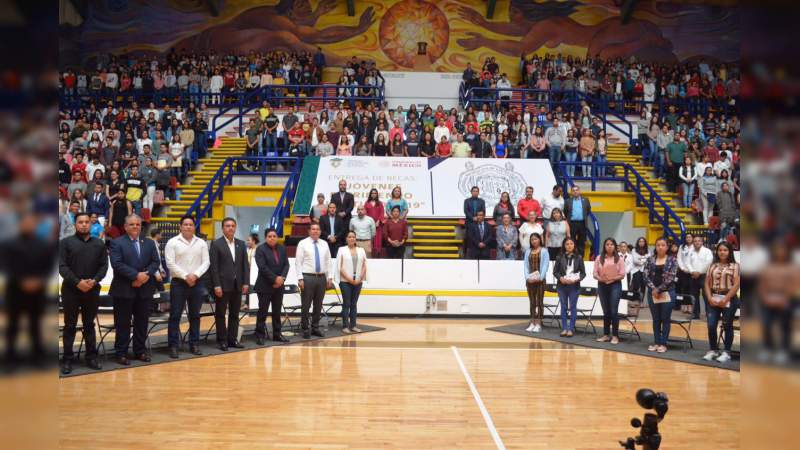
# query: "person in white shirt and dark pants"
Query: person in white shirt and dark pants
696,264
351,272
187,261
315,275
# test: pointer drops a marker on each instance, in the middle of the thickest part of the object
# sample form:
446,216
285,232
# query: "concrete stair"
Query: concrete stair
434,238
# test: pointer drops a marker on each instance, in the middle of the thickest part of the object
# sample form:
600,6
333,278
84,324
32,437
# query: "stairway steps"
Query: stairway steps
436,255
433,227
423,241
435,248
450,235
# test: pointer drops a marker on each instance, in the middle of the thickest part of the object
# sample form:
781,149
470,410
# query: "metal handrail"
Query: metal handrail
283,208
650,200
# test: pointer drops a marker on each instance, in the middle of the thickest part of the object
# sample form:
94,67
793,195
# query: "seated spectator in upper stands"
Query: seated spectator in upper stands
443,148
324,148
728,214
97,201
427,147
461,149
381,147
344,149
395,233
397,147
120,208
527,204
507,238
504,206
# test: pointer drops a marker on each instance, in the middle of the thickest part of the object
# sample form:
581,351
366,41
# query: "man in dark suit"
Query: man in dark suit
333,229
82,263
230,275
576,210
473,205
136,270
273,266
480,237
344,202
483,148
97,202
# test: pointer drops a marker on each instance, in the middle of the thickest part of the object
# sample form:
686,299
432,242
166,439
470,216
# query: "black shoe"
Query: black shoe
123,361
280,338
93,364
306,334
236,344
144,357
195,350
223,347
66,367
260,340
173,352
317,332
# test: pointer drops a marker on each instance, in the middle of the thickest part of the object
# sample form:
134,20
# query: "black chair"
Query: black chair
584,312
552,308
683,320
329,306
286,323
78,329
632,316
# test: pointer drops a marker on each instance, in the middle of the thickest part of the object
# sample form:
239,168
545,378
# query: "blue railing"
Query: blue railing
594,234
645,194
213,191
284,206
277,93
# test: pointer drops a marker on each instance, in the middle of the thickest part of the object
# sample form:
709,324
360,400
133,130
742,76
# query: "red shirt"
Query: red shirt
472,127
229,79
525,206
396,231
712,153
443,149
296,134
69,81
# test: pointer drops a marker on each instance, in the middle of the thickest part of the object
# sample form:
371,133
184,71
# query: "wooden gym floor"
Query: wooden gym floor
420,384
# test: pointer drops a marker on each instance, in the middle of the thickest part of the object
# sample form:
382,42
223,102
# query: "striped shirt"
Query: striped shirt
723,277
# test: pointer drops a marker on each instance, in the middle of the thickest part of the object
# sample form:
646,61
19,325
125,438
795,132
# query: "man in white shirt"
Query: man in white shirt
314,275
505,96
187,261
440,131
552,201
364,227
697,262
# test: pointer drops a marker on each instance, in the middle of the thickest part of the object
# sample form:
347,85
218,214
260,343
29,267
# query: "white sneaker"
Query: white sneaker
537,329
710,355
781,357
724,357
530,328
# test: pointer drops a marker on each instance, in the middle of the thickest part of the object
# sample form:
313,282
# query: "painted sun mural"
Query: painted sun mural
457,32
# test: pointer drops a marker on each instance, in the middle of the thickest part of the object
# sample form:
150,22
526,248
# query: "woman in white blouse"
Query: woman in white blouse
527,229
351,262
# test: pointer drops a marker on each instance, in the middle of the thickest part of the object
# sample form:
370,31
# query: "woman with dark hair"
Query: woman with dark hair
536,262
659,275
568,272
639,255
427,147
351,272
721,289
396,199
396,234
375,209
504,206
556,230
609,270
380,148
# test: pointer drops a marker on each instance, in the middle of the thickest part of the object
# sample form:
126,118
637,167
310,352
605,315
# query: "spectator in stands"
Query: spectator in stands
484,147
97,203
333,228
527,204
659,276
507,238
396,199
473,205
568,271
536,261
443,148
460,148
609,270
529,227
708,193
351,272
587,146
665,136
441,132
324,148
412,145
728,214
721,289
135,189
318,210
252,140
555,139
479,237
67,220
688,176
427,148
504,206
364,228
397,147
577,210
381,148
344,149
537,145
776,302
120,208
676,151
77,183
395,234
176,152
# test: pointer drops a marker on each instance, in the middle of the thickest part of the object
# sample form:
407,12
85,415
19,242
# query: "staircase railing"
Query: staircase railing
213,191
644,192
248,101
594,234
284,207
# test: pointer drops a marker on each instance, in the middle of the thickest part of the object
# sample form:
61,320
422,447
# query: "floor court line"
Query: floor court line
484,412
363,347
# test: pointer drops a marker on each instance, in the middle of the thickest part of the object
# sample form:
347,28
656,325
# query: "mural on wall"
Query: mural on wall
456,32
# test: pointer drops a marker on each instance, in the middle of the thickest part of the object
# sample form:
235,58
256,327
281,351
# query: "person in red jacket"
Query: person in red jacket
528,204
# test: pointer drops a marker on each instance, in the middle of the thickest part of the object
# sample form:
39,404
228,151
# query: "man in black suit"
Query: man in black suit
230,275
136,270
480,237
273,266
82,263
97,202
333,229
473,205
483,148
576,210
344,202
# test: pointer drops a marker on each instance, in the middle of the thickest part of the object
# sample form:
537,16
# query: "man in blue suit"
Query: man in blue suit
97,202
136,269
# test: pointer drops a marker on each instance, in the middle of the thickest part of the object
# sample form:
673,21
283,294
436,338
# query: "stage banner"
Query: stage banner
364,173
453,178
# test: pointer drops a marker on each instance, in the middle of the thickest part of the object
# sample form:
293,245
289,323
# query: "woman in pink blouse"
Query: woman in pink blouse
344,148
537,145
609,270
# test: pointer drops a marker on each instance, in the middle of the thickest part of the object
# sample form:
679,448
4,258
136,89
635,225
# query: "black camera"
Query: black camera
648,437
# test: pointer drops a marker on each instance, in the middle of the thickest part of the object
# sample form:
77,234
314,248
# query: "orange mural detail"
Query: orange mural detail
408,23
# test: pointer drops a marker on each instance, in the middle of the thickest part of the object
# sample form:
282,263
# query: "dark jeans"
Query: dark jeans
393,252
577,229
568,297
87,303
350,295
696,290
182,295
728,315
274,297
784,318
20,303
312,294
682,287
233,300
662,314
609,299
137,308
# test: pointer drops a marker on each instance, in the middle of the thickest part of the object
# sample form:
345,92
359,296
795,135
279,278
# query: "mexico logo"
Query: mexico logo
492,181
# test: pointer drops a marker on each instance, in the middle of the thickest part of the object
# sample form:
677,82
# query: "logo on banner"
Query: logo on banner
492,180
